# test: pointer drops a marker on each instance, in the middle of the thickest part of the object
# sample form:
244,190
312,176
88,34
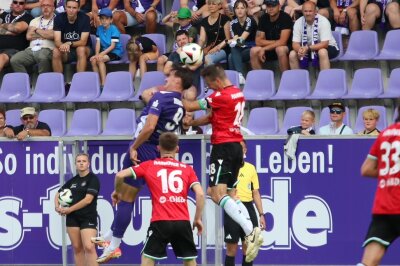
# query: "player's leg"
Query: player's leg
254,219
155,245
182,242
373,254
232,233
77,246
88,247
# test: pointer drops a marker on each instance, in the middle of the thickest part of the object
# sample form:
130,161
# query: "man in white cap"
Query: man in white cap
30,126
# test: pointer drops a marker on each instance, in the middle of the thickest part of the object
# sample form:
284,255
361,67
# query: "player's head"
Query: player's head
82,162
179,77
214,76
168,143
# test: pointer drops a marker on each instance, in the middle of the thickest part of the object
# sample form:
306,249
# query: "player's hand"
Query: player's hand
262,222
115,198
65,211
58,209
199,225
134,156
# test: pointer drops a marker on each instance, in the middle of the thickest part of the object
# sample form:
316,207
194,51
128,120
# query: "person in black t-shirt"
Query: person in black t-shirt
13,27
273,38
30,127
140,50
82,213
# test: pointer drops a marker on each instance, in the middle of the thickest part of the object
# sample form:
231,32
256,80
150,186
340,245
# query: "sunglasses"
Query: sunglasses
28,117
21,3
336,111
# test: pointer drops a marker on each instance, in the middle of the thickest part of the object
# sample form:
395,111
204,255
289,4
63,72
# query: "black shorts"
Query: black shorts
73,57
82,221
113,57
225,161
383,229
178,233
233,231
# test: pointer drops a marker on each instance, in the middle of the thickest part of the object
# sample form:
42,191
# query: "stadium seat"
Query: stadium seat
149,79
49,88
395,114
56,119
263,121
15,88
124,39
382,122
393,88
325,119
367,84
363,45
13,117
292,118
294,85
339,41
390,49
85,87
331,84
118,87
160,41
120,121
85,122
260,85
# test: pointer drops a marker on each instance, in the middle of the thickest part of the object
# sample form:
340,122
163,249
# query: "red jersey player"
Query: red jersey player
383,162
169,182
227,106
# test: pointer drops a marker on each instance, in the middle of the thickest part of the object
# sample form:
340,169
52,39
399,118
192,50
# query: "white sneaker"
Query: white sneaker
109,254
242,80
254,242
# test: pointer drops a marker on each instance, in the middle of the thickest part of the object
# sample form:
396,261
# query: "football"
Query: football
65,197
191,53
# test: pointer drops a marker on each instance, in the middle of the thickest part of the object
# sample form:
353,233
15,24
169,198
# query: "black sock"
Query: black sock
229,261
244,263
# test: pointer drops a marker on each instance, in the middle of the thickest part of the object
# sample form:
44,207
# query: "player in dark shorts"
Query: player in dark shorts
227,107
170,221
382,163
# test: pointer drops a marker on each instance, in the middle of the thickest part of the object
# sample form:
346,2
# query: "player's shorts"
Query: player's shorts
82,221
146,152
131,20
225,161
383,229
233,231
178,233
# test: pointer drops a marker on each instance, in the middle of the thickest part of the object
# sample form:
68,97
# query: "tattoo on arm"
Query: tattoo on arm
11,27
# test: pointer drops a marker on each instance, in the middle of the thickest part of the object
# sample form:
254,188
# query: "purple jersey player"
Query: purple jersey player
163,113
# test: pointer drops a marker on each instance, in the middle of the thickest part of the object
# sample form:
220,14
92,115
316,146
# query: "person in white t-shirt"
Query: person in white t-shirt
337,112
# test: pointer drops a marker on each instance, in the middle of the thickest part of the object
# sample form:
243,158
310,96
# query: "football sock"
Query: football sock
229,261
122,218
243,209
108,235
244,263
233,210
115,242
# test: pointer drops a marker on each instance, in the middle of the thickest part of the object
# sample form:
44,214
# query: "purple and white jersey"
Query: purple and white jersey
168,107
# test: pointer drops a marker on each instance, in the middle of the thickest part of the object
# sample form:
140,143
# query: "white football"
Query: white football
65,197
191,53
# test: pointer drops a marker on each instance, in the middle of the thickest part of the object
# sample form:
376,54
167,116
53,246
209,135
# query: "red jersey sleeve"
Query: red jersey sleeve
374,151
192,177
139,171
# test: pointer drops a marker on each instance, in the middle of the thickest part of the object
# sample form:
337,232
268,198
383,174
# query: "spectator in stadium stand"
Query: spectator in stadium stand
138,12
30,126
170,220
346,15
200,8
141,49
3,122
71,38
337,112
41,36
306,126
82,214
312,40
382,163
36,10
381,12
190,130
273,39
13,27
370,119
98,5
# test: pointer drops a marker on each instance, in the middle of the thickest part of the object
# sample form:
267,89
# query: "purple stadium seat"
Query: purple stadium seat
367,84
49,88
263,121
260,85
294,85
56,119
331,84
390,49
395,114
339,41
120,122
292,118
85,87
15,88
382,122
13,117
149,79
325,118
363,45
118,87
85,122
393,88
124,39
160,41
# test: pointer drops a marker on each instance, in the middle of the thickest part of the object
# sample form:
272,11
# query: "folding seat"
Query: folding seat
382,122
49,88
294,85
393,88
85,122
390,49
260,85
121,121
118,87
149,79
292,118
160,41
363,45
85,87
339,41
331,84
13,117
367,84
15,88
324,117
263,121
56,119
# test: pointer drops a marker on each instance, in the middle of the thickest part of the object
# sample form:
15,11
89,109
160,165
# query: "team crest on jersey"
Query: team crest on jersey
83,184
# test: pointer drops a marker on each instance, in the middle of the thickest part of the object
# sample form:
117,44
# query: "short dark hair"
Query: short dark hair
76,1
185,74
181,32
168,141
213,72
3,112
243,2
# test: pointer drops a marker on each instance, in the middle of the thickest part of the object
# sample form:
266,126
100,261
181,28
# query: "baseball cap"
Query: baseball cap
27,111
271,2
105,12
184,13
337,104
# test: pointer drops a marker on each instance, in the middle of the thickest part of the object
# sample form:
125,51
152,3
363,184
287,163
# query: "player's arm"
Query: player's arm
200,201
192,106
120,176
370,167
81,204
258,203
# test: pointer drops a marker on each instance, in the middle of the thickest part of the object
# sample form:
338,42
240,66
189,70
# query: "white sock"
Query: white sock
243,209
115,242
233,210
108,235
